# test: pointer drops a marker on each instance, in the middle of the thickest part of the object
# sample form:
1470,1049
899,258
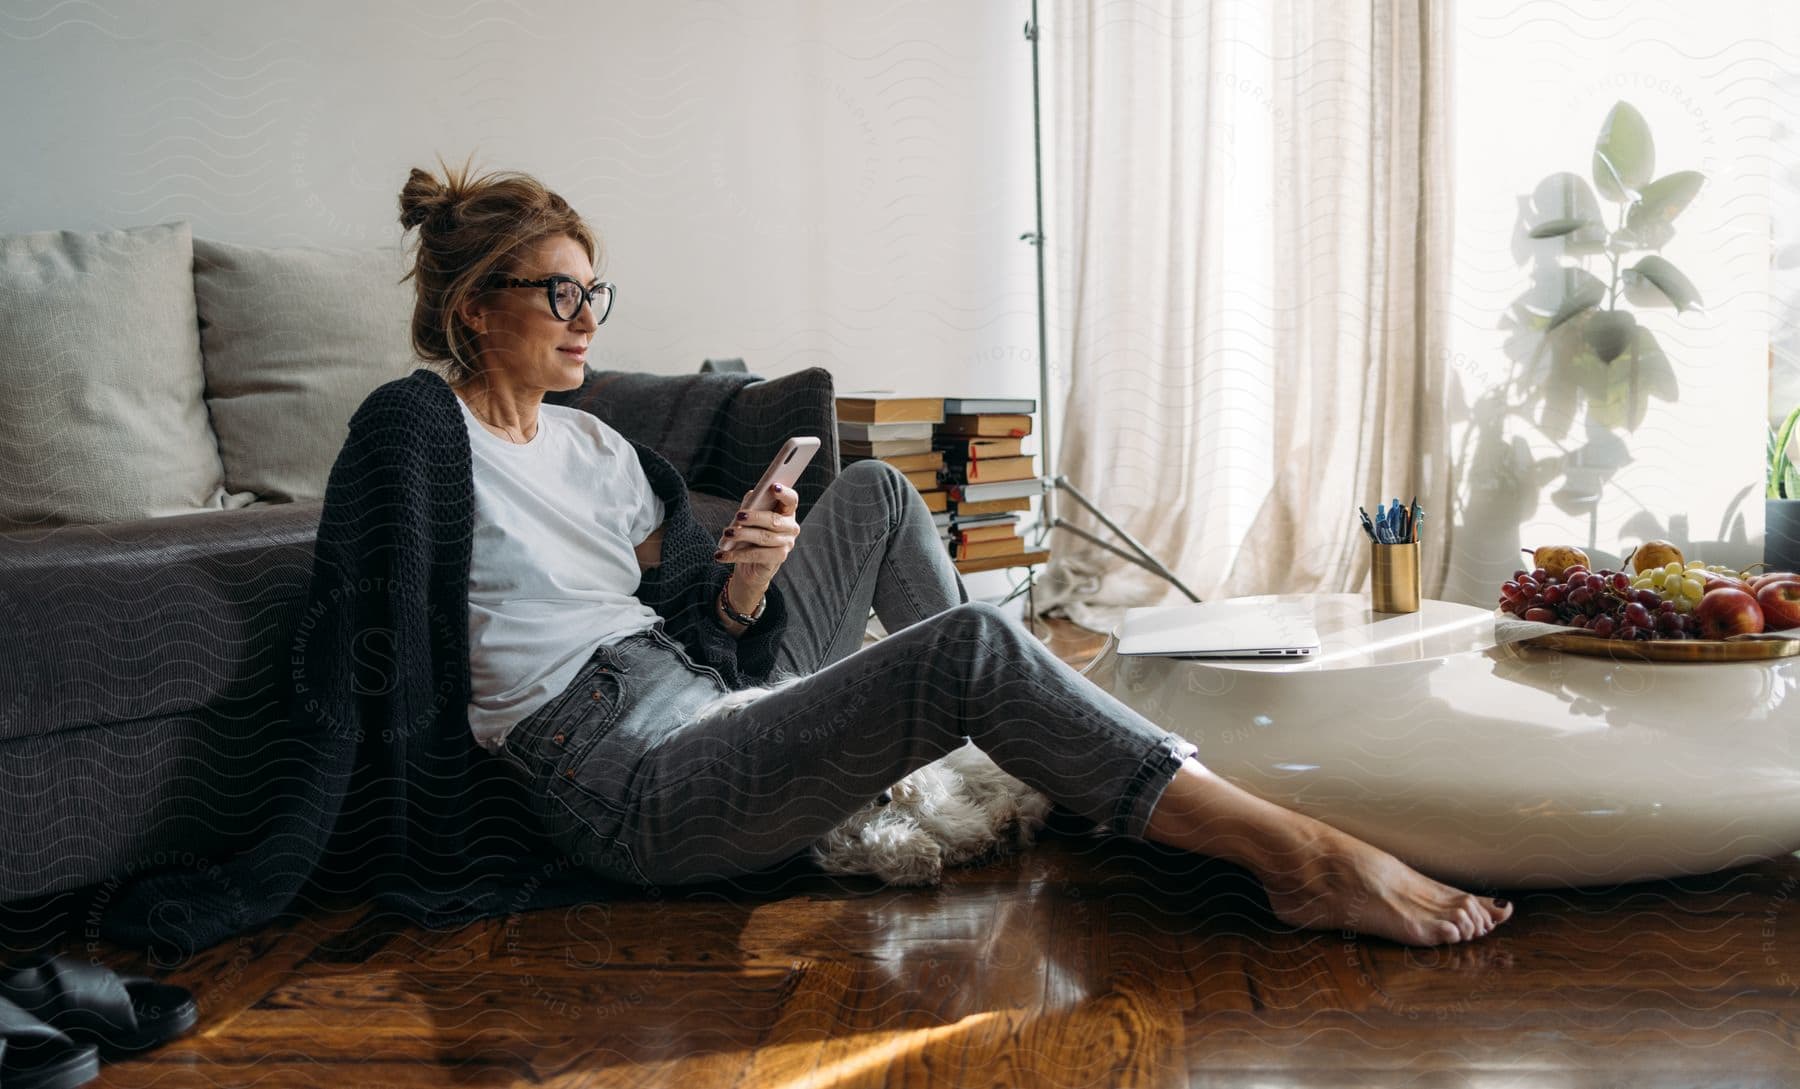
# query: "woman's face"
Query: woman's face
518,334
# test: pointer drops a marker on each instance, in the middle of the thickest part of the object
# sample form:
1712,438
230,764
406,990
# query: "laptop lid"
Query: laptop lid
1221,629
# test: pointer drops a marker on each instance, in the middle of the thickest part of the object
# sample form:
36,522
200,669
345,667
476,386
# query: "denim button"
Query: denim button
558,738
596,693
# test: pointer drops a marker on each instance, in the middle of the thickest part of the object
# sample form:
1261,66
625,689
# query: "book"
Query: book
987,533
975,405
989,470
979,550
995,563
992,506
941,518
957,449
883,432
924,479
957,519
936,500
1002,489
880,406
1008,426
884,448
908,463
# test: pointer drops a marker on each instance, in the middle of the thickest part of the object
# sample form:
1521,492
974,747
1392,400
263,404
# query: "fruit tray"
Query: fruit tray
1692,611
1738,649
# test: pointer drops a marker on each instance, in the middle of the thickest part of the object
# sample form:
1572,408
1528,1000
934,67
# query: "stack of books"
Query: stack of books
964,455
989,480
876,424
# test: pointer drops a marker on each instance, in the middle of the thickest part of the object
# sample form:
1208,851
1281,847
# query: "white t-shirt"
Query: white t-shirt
553,566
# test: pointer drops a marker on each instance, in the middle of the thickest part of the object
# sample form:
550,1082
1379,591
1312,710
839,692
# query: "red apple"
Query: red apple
1757,582
1728,611
1715,581
1780,604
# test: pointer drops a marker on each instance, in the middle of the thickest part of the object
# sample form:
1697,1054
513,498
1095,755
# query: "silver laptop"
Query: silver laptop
1221,629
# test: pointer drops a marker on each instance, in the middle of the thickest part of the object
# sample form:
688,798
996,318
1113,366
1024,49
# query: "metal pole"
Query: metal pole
1047,503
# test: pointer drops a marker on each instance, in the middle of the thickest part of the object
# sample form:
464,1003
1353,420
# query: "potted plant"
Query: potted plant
1781,503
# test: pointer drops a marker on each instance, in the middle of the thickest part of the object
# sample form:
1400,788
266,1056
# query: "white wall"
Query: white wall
799,183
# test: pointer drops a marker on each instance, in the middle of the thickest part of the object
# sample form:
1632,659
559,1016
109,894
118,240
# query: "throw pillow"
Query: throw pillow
293,340
101,416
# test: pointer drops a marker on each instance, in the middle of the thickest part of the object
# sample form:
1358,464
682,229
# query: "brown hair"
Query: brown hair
470,227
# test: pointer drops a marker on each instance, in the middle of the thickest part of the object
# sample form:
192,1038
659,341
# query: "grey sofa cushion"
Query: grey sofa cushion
102,418
293,340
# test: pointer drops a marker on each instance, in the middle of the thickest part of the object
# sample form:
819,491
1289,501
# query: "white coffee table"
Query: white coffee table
1506,766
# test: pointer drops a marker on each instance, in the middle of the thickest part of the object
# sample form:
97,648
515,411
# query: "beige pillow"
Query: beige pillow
293,341
101,417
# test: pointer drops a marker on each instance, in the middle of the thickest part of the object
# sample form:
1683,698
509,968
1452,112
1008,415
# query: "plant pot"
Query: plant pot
1781,540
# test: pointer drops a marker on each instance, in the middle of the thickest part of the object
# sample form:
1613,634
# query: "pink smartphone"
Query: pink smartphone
785,470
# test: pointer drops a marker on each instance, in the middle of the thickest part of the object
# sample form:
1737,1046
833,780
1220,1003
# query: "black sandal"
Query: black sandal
34,1055
122,1014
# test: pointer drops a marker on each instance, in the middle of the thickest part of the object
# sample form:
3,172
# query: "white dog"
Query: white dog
953,811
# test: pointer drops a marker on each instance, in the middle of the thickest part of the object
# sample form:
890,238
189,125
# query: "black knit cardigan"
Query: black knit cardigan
399,802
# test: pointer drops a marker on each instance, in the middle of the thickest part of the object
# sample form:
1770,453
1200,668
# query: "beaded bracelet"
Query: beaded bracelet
725,603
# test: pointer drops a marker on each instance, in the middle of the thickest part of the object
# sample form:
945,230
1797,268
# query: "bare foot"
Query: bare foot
1333,881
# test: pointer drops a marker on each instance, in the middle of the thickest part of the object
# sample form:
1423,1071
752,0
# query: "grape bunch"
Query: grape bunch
1605,602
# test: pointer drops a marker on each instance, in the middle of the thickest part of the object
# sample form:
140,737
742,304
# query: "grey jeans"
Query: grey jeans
634,774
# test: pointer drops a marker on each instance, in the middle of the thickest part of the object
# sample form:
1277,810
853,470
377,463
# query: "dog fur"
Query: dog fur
957,810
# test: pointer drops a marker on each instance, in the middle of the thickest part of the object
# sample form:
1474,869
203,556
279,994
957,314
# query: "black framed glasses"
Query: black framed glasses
565,294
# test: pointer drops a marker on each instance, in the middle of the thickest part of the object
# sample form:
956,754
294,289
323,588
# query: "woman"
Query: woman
634,760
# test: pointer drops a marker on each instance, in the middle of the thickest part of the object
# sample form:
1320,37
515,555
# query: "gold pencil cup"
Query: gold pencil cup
1394,577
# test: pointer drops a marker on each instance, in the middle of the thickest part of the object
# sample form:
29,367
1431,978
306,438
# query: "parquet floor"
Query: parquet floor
1084,962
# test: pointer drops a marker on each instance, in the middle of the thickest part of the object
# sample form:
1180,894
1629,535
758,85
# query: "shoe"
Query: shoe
123,1015
34,1055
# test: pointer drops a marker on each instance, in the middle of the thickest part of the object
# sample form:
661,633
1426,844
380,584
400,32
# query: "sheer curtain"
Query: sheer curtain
1249,232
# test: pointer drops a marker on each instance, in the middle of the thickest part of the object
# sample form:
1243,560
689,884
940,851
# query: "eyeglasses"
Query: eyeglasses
566,294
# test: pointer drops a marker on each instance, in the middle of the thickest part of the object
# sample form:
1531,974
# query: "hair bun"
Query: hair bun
422,197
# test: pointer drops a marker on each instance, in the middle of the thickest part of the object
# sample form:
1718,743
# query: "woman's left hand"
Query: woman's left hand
768,537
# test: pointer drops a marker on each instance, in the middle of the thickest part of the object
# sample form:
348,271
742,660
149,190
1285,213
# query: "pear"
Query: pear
1555,559
1654,554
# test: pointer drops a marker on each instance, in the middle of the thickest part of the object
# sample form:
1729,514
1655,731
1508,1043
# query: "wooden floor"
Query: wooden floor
1083,962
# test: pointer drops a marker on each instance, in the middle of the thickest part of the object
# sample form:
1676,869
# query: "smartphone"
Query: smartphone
792,459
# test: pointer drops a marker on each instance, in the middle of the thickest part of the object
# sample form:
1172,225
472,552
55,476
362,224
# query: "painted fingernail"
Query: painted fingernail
731,533
777,487
719,555
743,514
1499,903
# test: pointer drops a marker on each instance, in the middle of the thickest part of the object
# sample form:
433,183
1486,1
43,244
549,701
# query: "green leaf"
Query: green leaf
1609,333
1668,279
1556,228
1661,201
1781,470
1624,154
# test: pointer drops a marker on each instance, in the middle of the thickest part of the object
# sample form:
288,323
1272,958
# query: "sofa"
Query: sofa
171,410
